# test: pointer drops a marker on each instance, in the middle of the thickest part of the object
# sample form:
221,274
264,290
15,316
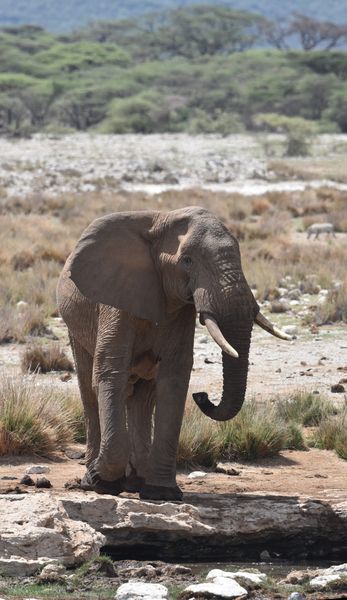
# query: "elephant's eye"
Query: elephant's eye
186,261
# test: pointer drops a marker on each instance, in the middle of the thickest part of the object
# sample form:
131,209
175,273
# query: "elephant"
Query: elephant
129,294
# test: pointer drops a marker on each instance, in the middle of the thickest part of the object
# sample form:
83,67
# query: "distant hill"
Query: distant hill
66,15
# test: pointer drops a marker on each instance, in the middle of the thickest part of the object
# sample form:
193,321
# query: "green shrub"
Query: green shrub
256,432
295,439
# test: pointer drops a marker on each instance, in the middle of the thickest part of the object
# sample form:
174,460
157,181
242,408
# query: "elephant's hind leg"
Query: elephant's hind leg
84,369
139,411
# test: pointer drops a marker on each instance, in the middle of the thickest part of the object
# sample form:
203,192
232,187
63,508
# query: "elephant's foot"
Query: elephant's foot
134,483
159,492
93,481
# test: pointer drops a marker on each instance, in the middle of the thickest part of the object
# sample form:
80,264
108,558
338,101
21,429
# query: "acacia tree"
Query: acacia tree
313,33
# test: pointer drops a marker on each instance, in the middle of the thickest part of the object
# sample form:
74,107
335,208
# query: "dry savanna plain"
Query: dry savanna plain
291,435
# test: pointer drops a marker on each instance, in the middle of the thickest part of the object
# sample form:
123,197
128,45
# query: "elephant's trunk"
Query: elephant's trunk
235,372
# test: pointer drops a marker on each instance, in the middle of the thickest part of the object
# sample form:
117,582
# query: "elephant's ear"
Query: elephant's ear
112,264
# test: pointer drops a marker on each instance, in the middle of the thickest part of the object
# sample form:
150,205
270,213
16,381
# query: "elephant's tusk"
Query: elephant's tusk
270,328
216,334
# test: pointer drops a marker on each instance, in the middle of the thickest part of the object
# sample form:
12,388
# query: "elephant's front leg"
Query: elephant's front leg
111,373
171,393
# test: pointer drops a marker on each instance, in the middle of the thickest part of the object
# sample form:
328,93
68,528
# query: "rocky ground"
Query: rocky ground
85,163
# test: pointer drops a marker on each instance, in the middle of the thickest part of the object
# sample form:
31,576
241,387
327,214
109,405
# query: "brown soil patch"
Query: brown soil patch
316,473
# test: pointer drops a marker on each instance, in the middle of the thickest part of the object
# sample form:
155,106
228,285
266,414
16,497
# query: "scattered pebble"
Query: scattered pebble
27,480
74,454
37,469
43,482
197,475
220,468
337,388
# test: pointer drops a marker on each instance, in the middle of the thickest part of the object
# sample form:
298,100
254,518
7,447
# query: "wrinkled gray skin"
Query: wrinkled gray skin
129,295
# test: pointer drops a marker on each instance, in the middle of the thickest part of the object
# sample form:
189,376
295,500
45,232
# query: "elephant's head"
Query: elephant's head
151,264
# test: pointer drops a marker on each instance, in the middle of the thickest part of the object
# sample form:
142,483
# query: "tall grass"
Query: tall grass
34,417
198,443
256,432
305,408
332,434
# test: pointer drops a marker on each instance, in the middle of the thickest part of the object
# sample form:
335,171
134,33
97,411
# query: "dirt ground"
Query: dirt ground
315,473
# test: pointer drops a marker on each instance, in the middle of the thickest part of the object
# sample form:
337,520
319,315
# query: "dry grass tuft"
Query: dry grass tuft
198,443
38,357
17,323
332,435
33,417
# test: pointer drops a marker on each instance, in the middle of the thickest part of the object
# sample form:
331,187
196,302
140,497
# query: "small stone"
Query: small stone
43,482
279,370
337,388
290,329
197,475
27,480
220,468
296,596
73,484
37,469
52,573
265,556
65,377
294,294
8,478
74,454
279,306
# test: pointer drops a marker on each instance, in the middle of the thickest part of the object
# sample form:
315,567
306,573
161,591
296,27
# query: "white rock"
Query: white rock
21,304
37,469
329,575
290,329
222,587
296,596
52,572
36,530
341,569
141,591
255,578
197,475
17,566
294,302
322,580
